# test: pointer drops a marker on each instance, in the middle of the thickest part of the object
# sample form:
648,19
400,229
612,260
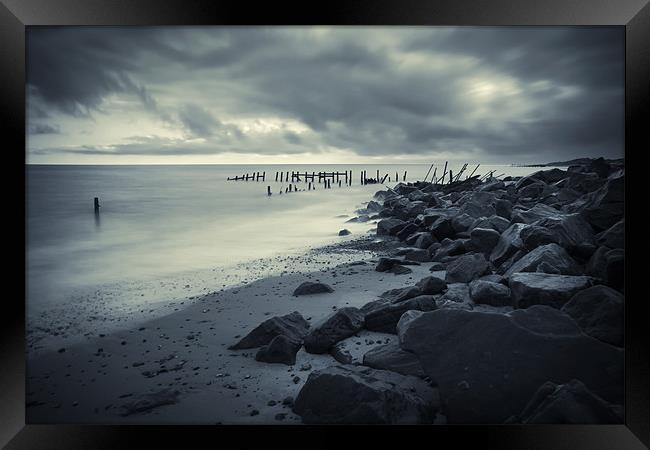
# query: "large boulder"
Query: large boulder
597,264
530,289
293,326
385,319
466,268
477,209
489,293
456,296
310,287
551,254
442,228
598,311
334,328
535,235
462,222
569,230
431,285
406,231
360,395
424,240
390,226
484,240
488,365
495,223
509,243
537,212
605,206
391,357
281,349
614,236
571,402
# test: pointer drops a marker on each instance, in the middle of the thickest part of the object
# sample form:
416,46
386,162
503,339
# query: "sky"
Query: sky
303,95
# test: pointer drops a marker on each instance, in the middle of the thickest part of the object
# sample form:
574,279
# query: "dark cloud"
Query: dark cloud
503,93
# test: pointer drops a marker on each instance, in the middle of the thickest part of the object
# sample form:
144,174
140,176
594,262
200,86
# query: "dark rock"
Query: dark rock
340,354
503,208
450,248
373,306
466,268
614,236
424,240
582,252
431,285
344,232
399,270
419,255
537,212
533,190
456,296
442,228
488,365
385,264
535,235
484,240
495,223
545,267
437,267
462,222
391,357
489,293
509,243
358,395
597,264
600,167
605,206
280,350
545,289
293,326
385,319
389,226
569,403
598,311
334,328
309,287
569,229
401,294
406,231
551,254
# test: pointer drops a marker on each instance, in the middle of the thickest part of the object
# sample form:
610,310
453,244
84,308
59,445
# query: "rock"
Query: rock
358,395
604,207
385,319
340,354
293,326
551,254
466,268
309,288
533,190
418,255
149,401
406,231
569,403
450,248
385,264
537,212
489,293
495,223
334,328
535,235
504,358
399,270
530,289
442,228
437,267
391,357
431,285
462,222
598,311
597,264
582,252
456,296
614,236
477,209
373,306
600,167
545,267
344,232
484,240
583,182
389,226
281,349
503,208
568,229
509,243
401,294
424,240
615,260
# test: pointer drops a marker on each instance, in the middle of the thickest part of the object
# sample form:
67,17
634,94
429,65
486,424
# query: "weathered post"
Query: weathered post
268,190
404,176
339,183
97,205
276,176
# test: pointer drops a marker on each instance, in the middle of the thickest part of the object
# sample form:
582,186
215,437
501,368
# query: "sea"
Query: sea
159,224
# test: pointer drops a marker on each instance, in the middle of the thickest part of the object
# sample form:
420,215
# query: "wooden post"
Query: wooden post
276,176
404,176
268,190
339,183
97,205
396,177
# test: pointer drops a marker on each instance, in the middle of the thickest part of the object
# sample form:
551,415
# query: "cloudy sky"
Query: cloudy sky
323,94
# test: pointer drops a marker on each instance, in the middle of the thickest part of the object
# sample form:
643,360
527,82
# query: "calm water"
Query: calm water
158,221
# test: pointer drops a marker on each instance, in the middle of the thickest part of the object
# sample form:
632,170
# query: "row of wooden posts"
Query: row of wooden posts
320,176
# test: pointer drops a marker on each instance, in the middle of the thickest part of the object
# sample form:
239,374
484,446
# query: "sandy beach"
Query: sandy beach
182,358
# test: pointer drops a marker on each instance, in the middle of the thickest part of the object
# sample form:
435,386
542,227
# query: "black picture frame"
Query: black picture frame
15,15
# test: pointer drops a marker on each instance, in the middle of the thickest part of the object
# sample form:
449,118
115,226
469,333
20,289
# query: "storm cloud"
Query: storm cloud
506,94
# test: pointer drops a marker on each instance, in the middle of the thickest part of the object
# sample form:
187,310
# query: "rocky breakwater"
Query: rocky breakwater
521,319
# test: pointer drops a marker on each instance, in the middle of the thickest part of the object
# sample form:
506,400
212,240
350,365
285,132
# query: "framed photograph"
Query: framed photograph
410,216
